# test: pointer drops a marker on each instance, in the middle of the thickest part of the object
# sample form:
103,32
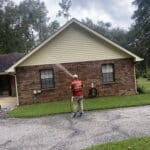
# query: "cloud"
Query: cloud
115,11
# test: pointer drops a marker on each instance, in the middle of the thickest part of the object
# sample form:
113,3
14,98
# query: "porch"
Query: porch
7,85
8,102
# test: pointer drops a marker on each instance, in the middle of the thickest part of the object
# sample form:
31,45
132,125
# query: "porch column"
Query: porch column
16,90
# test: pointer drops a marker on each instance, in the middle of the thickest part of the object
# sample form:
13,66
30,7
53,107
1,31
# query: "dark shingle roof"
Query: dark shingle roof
7,60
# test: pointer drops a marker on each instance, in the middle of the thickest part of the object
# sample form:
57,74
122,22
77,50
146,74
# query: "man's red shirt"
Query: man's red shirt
77,88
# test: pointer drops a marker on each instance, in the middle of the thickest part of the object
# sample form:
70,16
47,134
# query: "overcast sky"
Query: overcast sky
118,12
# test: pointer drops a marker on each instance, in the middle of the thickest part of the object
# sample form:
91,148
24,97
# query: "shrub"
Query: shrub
140,89
148,75
137,73
144,75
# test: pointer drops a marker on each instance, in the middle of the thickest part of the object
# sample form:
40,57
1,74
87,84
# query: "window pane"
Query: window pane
108,77
43,84
108,72
107,68
47,80
46,84
51,83
46,74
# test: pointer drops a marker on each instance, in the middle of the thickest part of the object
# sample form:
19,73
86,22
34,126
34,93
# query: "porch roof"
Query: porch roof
7,60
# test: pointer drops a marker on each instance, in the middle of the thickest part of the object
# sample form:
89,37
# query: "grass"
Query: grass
37,110
145,83
130,144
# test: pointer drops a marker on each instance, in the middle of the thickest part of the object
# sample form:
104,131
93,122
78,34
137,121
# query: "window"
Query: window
108,73
47,79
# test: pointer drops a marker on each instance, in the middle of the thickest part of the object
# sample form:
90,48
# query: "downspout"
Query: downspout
135,79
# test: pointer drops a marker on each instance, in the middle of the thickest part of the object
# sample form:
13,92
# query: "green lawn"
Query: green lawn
37,110
145,83
130,144
135,143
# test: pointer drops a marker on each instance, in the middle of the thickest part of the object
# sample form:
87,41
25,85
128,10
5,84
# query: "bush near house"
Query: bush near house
148,75
145,84
140,89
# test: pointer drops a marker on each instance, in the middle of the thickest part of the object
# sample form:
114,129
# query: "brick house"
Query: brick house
80,50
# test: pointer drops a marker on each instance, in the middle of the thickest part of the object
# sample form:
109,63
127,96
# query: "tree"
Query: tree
119,36
24,26
99,27
53,27
64,6
33,15
8,23
141,30
115,34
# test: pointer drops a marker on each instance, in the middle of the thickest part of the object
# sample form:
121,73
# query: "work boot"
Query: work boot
74,115
81,114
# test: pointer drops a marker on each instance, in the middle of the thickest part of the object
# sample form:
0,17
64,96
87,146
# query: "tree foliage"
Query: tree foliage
53,27
140,31
117,35
23,26
9,36
64,9
27,24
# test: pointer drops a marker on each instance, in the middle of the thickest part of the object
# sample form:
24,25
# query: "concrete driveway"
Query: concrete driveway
61,132
8,102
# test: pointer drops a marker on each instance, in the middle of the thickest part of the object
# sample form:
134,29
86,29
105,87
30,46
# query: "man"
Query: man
77,95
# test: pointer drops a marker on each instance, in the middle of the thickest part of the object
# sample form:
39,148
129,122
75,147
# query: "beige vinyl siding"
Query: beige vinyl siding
74,45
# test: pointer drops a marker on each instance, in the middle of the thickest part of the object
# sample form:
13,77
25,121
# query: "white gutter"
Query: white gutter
135,82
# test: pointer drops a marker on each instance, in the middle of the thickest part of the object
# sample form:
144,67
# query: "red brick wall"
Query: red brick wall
28,79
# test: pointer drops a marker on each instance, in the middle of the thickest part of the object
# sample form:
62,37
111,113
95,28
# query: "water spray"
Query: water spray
60,66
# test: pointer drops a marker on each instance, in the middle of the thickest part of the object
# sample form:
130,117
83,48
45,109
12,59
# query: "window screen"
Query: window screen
47,79
108,72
